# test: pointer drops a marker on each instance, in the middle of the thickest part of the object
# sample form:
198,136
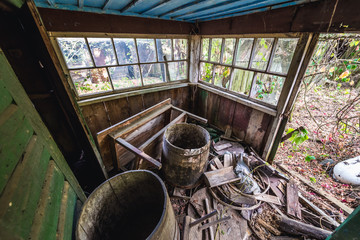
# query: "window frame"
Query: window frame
53,38
232,66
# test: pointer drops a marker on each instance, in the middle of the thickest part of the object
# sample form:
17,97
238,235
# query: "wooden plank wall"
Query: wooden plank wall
101,115
248,124
38,191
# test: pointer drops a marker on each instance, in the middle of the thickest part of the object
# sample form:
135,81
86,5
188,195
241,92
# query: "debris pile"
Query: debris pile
243,197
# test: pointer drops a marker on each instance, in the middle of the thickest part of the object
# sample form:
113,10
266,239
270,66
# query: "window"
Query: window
254,68
101,65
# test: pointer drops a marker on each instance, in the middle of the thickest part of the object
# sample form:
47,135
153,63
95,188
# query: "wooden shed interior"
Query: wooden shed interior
190,54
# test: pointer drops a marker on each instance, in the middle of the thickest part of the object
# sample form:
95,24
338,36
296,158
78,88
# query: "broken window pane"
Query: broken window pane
153,73
243,52
262,53
89,81
180,49
267,88
206,72
125,50
215,49
177,70
222,76
146,50
164,49
125,76
75,52
205,49
102,51
228,51
242,80
284,52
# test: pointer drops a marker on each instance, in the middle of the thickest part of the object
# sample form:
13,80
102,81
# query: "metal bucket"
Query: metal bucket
131,205
185,153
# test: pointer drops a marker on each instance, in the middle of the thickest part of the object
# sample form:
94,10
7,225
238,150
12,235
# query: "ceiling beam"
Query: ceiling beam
106,5
81,3
156,6
181,7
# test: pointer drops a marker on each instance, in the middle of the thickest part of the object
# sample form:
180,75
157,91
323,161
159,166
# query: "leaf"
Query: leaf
313,179
344,74
289,130
309,158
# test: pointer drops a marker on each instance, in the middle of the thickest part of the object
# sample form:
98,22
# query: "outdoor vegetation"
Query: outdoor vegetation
249,67
324,126
98,65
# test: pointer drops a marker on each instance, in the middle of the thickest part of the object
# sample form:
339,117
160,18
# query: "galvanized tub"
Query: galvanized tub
131,205
185,154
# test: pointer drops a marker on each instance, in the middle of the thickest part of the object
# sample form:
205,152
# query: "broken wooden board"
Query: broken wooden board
268,198
217,162
190,233
220,177
235,147
228,160
292,199
274,183
219,147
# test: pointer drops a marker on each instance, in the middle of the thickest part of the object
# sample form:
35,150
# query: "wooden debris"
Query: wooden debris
268,227
292,199
317,210
228,132
210,224
335,202
217,162
188,232
295,227
274,182
220,177
200,220
180,193
228,160
219,147
235,148
268,198
211,229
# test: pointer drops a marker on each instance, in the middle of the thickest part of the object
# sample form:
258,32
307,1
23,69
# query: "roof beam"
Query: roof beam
51,2
129,5
81,3
106,5
156,6
181,7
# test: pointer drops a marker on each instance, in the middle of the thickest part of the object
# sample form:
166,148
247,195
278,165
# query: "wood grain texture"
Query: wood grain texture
67,210
46,219
292,199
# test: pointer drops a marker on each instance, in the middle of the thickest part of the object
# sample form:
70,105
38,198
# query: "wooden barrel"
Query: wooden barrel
185,154
130,205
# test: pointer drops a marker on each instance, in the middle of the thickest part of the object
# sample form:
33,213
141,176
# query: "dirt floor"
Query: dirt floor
325,142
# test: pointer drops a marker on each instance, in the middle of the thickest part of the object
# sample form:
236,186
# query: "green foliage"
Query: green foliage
298,137
312,179
309,158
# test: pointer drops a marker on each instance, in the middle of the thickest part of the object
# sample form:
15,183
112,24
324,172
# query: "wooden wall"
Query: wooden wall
38,191
248,124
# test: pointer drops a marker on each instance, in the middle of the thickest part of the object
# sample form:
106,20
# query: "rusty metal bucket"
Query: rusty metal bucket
185,153
131,205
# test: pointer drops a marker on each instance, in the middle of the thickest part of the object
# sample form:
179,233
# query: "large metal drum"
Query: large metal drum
131,205
185,154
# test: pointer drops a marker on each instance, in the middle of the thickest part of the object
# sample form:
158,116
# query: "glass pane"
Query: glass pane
125,50
164,49
242,81
180,49
75,52
153,73
262,53
102,51
205,49
146,49
228,51
91,80
284,52
178,70
206,72
222,76
125,76
243,52
267,88
215,49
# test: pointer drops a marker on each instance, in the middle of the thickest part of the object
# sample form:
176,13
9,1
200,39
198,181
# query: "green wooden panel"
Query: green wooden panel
21,194
47,214
349,229
15,132
67,211
12,84
5,97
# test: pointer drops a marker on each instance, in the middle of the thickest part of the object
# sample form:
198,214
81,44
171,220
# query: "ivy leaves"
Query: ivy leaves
298,136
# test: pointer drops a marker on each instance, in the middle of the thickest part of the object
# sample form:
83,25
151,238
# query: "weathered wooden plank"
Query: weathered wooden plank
292,199
8,77
117,110
67,210
5,97
138,152
226,113
95,117
241,120
16,132
190,115
254,132
46,219
220,177
21,194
